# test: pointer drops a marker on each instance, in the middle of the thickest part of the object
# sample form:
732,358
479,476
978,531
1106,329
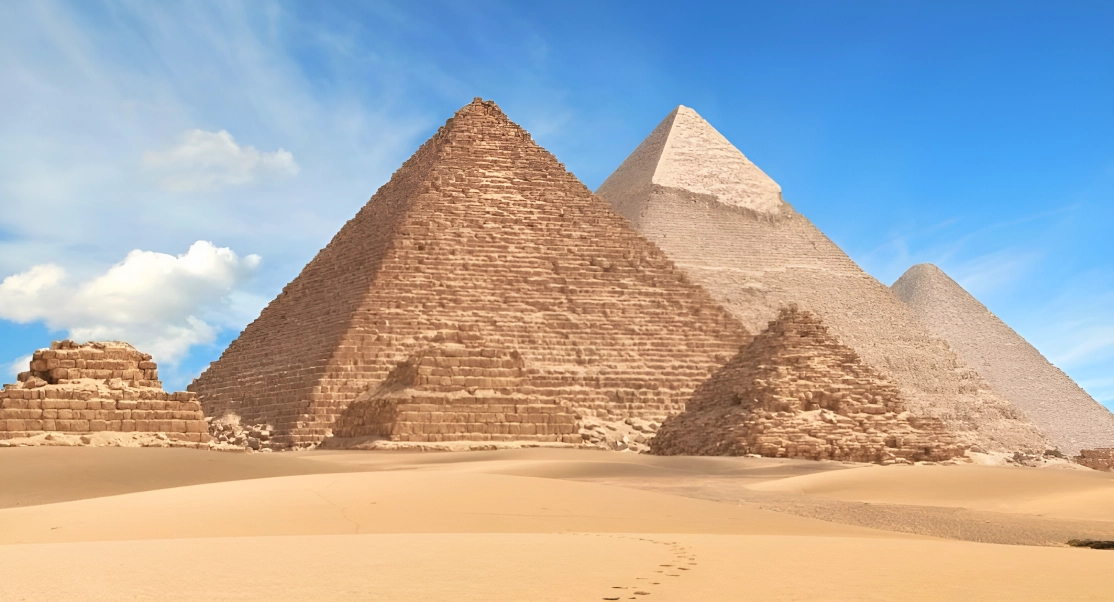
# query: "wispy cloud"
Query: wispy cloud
206,161
22,364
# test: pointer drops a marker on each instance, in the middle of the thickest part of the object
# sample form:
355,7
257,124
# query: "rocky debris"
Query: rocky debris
1094,544
631,434
227,434
101,439
1098,459
796,392
75,389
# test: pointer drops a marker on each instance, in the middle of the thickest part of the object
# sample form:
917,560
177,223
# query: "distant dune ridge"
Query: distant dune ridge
1018,372
723,221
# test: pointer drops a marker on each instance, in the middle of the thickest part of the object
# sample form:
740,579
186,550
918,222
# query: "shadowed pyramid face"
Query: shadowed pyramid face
481,242
723,221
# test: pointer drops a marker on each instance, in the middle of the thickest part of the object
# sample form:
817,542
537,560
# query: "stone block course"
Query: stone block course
796,392
76,400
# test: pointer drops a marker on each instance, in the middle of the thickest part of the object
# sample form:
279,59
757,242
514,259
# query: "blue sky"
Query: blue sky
975,135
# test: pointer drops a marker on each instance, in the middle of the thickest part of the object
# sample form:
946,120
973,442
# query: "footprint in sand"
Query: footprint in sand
681,554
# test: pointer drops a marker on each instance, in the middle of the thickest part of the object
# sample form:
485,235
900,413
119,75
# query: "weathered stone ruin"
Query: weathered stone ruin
1070,417
1098,459
725,224
796,392
485,264
96,387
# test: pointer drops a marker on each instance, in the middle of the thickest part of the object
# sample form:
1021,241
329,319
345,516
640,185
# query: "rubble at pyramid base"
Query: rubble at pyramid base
74,389
796,392
1098,459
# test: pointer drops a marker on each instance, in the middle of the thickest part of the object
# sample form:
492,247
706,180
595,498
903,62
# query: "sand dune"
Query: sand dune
533,524
1062,493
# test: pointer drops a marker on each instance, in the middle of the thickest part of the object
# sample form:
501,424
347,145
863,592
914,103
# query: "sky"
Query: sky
165,168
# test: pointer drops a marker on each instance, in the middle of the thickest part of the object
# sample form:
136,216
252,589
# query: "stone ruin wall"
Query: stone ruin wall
95,387
1098,459
796,392
494,244
1017,370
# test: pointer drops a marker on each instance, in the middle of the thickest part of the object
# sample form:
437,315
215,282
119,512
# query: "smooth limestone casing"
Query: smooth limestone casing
1070,417
480,239
723,222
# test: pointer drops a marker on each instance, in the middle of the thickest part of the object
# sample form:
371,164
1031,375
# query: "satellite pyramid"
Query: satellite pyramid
483,293
724,223
796,392
1017,371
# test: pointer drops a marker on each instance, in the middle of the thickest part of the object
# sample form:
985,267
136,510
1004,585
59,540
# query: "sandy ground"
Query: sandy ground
539,524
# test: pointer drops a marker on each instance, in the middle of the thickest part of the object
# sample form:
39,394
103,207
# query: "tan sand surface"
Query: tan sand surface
531,524
1061,493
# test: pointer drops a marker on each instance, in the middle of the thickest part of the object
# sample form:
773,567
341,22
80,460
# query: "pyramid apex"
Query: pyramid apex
922,273
685,153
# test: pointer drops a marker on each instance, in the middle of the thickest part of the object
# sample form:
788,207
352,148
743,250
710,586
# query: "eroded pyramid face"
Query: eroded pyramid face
521,303
723,221
796,392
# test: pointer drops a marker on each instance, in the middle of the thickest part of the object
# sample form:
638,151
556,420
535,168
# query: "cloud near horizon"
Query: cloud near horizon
208,161
162,304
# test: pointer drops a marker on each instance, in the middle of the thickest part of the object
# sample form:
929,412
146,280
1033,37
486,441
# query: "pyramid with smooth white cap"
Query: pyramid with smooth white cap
1070,417
725,224
482,294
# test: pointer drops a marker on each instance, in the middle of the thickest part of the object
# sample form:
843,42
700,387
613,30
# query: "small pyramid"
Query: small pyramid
1070,417
796,392
723,222
481,250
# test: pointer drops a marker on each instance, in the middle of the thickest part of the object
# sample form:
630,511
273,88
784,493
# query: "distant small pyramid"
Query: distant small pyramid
796,392
481,248
1060,408
724,222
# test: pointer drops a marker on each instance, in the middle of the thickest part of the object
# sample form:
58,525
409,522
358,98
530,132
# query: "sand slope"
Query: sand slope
519,525
1063,493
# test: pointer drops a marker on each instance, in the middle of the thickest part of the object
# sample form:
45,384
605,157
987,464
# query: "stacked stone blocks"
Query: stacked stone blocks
796,392
482,238
94,387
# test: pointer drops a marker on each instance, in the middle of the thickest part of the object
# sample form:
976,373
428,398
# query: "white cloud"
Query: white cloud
159,303
207,161
20,365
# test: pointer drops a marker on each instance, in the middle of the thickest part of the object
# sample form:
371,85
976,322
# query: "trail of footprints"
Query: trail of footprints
683,560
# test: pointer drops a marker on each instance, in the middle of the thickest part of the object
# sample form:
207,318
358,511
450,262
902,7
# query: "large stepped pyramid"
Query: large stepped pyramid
481,262
1060,408
724,222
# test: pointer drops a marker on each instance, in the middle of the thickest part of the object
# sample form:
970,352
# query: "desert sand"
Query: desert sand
539,524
